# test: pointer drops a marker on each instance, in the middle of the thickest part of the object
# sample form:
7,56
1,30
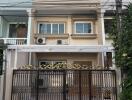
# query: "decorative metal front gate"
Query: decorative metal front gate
64,85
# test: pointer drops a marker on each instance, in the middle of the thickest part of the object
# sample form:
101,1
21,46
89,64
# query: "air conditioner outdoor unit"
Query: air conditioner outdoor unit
62,42
41,40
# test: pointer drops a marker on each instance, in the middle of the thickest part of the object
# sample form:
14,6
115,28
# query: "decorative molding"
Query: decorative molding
84,36
61,48
49,36
61,66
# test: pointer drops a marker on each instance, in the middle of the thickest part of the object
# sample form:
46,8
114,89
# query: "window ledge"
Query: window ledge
58,36
84,36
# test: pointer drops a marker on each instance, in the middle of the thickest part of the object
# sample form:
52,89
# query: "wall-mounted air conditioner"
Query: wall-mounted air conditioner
62,42
41,40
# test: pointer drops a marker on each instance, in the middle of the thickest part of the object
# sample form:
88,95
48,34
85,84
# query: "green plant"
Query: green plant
123,51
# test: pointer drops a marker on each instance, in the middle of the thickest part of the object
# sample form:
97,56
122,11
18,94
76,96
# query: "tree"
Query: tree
123,51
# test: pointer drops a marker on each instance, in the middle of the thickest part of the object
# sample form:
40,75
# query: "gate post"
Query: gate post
80,89
37,84
90,88
64,85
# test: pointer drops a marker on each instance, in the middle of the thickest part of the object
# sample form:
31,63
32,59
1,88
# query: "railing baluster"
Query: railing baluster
15,41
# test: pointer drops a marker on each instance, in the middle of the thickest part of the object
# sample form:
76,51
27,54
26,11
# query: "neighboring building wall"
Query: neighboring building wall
1,86
4,28
108,42
0,26
15,3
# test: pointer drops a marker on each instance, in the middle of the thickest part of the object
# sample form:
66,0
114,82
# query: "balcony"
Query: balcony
15,41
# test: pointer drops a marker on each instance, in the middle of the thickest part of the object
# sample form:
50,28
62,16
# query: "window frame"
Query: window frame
83,22
8,27
105,25
51,23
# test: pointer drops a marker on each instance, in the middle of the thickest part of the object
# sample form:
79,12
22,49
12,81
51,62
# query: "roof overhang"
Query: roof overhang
62,48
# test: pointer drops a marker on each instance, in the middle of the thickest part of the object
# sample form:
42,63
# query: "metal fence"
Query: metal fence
64,85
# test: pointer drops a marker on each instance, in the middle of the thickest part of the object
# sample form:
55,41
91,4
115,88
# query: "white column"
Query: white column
113,60
102,26
1,86
0,26
2,77
30,58
69,29
101,35
118,75
15,59
101,31
8,80
30,25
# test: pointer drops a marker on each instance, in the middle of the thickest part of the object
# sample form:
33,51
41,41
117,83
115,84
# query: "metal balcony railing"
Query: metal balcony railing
15,41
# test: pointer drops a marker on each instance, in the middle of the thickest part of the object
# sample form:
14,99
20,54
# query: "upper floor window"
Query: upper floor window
83,27
51,28
17,30
108,25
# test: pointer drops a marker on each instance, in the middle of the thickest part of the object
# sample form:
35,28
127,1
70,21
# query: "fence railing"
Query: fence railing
64,85
15,41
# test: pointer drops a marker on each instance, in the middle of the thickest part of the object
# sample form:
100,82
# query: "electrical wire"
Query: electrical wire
106,5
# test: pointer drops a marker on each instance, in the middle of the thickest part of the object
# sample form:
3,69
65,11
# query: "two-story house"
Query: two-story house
41,34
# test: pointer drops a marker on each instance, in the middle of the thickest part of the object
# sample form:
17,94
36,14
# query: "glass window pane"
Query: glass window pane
79,27
48,29
108,25
55,29
61,28
42,28
87,28
21,31
12,30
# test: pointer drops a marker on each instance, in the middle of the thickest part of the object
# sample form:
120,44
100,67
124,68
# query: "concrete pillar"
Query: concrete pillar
1,86
69,28
101,36
8,80
31,13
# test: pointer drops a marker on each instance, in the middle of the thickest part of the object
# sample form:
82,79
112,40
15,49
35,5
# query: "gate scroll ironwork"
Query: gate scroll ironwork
63,84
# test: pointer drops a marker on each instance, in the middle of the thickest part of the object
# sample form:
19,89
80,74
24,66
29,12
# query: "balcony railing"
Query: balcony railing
15,41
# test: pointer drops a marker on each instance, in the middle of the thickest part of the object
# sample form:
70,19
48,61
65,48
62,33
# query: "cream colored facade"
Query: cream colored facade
85,49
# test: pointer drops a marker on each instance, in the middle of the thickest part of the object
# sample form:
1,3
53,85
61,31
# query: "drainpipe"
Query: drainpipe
30,58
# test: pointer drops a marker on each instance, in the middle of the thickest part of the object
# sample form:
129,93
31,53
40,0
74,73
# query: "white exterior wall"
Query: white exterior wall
0,26
22,59
9,72
3,28
1,86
